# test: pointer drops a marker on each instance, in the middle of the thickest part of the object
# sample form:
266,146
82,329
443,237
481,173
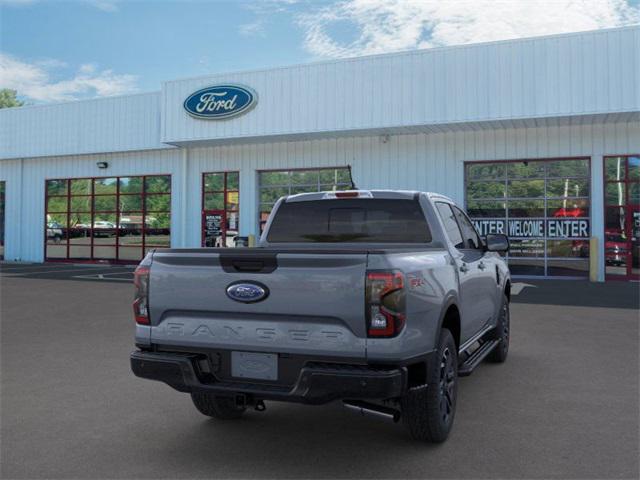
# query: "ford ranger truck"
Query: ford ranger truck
378,299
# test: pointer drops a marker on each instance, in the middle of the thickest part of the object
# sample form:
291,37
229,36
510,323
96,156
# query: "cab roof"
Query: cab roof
388,194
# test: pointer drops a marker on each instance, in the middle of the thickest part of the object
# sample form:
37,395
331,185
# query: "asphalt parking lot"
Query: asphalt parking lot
565,405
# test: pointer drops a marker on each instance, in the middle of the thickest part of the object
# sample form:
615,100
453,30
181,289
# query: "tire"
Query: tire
501,332
221,408
428,412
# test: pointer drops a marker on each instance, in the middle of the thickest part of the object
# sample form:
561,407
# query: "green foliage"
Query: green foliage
8,98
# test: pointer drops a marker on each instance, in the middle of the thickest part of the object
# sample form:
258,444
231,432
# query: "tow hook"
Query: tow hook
260,406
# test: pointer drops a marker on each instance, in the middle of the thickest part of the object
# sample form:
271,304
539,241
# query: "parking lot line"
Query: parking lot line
102,276
57,270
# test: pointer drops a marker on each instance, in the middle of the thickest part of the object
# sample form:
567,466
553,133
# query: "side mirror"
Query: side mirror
497,243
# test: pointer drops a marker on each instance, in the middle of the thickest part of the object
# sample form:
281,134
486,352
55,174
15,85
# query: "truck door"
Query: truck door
478,290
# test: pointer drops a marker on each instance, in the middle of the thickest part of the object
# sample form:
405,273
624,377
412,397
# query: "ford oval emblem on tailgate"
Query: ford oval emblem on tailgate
247,292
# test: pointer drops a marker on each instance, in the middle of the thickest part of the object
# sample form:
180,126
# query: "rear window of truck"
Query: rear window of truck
350,220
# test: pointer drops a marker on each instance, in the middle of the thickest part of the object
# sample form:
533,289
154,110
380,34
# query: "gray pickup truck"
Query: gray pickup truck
379,299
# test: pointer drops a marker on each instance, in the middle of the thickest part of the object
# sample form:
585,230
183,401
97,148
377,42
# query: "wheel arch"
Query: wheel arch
450,319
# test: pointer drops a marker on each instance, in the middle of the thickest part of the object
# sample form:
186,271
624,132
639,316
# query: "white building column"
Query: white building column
248,202
597,210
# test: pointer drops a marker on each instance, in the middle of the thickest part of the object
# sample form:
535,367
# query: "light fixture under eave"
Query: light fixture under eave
102,164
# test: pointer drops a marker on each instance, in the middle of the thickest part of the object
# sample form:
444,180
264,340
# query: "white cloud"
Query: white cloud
104,5
252,29
35,82
391,25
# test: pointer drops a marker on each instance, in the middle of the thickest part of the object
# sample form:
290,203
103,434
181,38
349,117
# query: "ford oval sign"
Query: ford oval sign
247,292
220,102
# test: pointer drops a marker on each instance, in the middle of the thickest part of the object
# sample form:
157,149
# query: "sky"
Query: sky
54,50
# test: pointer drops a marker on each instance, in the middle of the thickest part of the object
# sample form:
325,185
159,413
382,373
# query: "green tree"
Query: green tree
8,98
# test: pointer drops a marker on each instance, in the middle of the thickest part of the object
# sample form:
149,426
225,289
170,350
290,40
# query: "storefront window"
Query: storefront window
276,184
220,209
622,217
107,219
542,205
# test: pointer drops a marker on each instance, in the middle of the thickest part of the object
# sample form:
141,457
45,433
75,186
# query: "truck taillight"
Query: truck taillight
141,298
385,303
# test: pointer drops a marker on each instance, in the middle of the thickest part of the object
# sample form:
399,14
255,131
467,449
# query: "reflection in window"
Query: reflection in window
486,209
525,208
276,184
220,205
633,168
450,225
568,187
525,188
107,218
516,196
568,248
526,169
615,193
614,168
477,190
568,168
103,186
486,171
526,248
568,208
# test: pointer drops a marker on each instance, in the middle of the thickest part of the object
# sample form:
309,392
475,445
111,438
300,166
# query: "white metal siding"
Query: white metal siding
431,162
112,124
25,196
558,76
11,174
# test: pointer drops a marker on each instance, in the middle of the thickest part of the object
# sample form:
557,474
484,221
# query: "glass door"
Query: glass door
622,217
220,209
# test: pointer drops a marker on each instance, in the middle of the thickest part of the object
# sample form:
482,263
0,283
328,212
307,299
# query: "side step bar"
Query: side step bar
469,365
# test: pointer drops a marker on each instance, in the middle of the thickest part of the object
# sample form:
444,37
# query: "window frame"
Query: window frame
146,239
225,211
546,177
627,206
446,231
479,241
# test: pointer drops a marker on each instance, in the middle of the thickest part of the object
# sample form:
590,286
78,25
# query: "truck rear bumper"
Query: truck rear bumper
317,383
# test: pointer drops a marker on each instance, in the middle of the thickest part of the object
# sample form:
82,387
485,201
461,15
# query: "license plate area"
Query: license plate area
257,366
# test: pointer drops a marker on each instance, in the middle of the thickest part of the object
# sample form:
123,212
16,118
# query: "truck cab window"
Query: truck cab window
450,225
469,234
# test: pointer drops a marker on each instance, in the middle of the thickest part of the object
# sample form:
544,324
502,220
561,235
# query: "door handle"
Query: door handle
464,268
482,266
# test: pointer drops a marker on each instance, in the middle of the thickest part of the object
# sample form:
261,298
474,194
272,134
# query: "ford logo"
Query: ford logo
220,101
247,292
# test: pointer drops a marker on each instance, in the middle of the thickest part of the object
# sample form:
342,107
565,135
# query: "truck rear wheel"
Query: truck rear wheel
222,408
428,412
501,332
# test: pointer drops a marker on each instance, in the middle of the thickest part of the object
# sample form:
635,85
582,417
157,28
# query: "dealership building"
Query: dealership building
538,138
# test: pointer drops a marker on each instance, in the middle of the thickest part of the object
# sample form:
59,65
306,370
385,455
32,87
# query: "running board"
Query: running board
469,365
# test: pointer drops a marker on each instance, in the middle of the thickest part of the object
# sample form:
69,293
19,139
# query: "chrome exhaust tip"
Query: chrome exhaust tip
373,410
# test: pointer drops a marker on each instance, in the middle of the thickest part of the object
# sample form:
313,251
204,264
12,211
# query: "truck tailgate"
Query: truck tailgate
315,302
